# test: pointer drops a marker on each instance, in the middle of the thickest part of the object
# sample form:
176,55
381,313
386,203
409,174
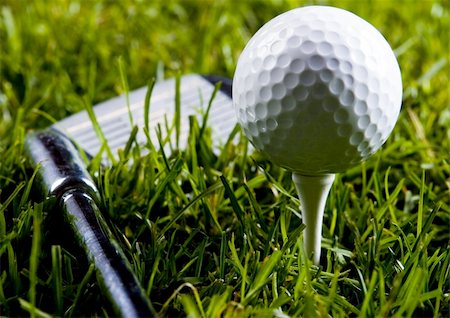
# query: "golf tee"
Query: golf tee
313,192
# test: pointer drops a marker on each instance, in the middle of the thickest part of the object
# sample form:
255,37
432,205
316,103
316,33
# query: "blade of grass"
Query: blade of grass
148,95
218,303
386,189
223,252
98,131
201,252
420,206
2,289
367,309
445,270
433,70
198,303
255,206
5,204
12,268
169,178
234,202
80,289
177,114
190,307
131,139
153,274
206,115
57,279
35,312
34,257
126,88
263,274
235,260
207,192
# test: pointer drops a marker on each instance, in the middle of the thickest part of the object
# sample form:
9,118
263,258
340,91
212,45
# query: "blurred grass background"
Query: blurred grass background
60,49
58,56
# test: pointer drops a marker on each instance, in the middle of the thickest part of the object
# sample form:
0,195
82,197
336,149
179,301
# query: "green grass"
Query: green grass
211,236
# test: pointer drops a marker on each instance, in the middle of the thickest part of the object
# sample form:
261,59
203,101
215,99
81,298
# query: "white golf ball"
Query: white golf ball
318,89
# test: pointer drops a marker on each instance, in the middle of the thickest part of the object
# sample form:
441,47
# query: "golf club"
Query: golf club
62,175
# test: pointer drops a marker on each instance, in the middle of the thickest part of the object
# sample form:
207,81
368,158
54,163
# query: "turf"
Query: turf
209,235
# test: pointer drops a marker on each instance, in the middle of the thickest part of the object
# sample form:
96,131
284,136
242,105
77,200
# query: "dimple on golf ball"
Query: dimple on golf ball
318,89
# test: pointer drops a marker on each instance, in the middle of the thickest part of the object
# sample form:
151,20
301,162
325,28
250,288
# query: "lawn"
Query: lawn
212,235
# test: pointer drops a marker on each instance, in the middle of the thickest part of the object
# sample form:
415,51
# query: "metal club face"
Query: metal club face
114,120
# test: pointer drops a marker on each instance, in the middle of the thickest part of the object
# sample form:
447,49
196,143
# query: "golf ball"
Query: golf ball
317,89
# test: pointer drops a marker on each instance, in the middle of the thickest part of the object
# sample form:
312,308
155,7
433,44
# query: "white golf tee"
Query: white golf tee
313,192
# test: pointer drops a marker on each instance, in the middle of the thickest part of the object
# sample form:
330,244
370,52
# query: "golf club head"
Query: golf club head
113,115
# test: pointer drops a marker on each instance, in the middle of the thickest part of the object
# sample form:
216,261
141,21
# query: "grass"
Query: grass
220,236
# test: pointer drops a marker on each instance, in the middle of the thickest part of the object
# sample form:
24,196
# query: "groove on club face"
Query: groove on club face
113,115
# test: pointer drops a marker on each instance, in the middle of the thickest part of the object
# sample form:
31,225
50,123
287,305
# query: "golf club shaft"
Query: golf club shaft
62,175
